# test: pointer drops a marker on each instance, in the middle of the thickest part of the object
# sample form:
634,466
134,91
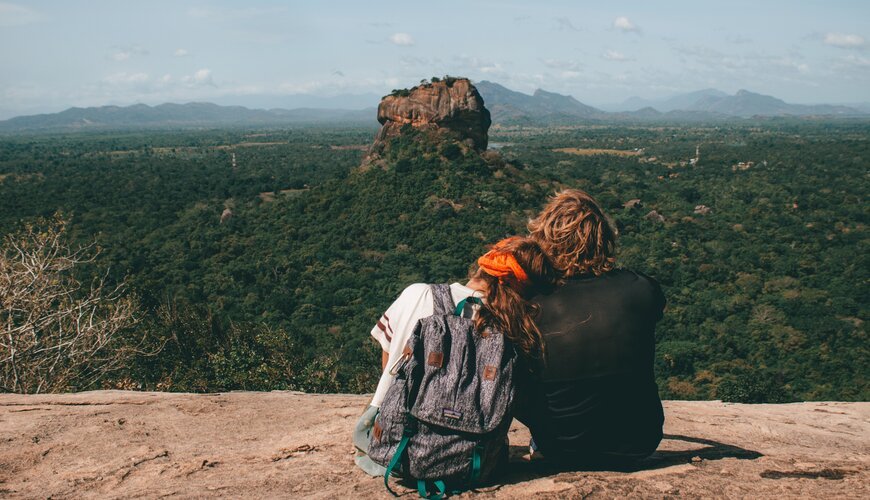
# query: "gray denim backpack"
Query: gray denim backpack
445,418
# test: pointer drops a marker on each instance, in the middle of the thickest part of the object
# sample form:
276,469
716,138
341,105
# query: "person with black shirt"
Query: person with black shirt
593,401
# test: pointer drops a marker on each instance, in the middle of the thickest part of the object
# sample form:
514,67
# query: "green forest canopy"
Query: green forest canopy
766,283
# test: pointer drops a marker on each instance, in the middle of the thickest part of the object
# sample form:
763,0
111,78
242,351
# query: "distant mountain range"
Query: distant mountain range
744,104
507,107
510,107
170,115
678,102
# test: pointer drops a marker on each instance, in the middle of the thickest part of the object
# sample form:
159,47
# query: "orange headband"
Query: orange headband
499,264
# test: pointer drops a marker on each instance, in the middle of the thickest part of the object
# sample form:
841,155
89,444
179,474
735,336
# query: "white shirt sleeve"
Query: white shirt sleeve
396,324
395,327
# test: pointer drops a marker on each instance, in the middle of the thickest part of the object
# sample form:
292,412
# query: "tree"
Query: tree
57,334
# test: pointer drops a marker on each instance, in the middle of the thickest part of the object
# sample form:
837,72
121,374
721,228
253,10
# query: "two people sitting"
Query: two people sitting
583,329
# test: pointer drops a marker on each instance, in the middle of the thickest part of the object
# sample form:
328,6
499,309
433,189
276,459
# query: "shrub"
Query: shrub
753,387
56,333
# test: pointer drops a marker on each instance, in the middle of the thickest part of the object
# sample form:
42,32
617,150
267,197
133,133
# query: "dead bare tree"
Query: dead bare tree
55,333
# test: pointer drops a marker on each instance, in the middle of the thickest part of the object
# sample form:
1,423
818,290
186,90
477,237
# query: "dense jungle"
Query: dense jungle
260,259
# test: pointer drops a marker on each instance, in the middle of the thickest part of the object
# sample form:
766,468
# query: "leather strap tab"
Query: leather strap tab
436,359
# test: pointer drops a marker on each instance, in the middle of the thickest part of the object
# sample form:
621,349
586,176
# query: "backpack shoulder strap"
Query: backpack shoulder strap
442,300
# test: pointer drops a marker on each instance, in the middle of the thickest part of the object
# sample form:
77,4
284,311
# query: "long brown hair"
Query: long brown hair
506,306
573,229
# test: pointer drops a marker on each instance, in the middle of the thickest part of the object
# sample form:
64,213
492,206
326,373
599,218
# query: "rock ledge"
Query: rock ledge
115,444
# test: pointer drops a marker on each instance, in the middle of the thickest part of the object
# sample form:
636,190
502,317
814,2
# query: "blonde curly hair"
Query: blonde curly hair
573,229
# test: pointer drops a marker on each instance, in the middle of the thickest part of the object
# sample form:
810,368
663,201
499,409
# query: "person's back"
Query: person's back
595,400
459,370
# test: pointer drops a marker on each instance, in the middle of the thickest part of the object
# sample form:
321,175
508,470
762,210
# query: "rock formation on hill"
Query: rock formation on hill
451,105
116,444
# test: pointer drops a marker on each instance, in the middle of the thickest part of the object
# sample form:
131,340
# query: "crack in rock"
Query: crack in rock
137,463
295,452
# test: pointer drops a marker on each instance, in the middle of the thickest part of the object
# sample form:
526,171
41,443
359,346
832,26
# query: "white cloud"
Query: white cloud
613,55
180,52
785,63
469,64
402,39
201,77
844,41
624,24
16,15
125,78
122,55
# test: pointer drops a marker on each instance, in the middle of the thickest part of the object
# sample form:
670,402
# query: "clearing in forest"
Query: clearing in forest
596,151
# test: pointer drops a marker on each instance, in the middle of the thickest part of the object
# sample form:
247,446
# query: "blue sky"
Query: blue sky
57,54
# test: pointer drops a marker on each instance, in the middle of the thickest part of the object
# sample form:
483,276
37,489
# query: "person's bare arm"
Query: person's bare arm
385,356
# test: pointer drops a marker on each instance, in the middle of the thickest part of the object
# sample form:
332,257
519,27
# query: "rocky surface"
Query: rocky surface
115,444
452,105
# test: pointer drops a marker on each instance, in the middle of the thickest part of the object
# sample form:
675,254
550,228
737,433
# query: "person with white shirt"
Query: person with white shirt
512,272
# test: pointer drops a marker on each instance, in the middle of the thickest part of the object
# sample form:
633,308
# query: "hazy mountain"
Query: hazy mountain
633,103
686,101
546,108
645,112
863,107
542,107
676,116
676,102
194,114
746,104
506,106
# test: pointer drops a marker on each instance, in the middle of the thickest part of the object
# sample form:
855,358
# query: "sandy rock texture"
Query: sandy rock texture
116,444
453,105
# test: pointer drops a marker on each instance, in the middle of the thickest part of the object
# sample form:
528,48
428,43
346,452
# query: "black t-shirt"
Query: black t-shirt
596,394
